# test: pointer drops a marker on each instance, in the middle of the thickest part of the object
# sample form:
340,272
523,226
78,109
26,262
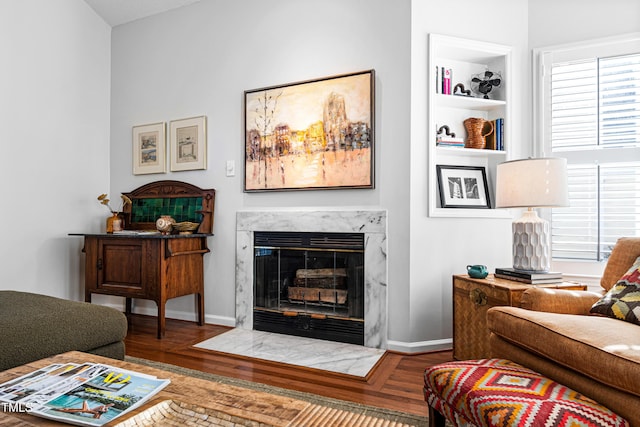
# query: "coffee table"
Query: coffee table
207,401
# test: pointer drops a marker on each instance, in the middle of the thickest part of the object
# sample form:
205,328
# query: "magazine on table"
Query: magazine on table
86,394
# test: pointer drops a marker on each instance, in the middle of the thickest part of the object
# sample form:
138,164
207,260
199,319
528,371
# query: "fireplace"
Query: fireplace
310,285
372,224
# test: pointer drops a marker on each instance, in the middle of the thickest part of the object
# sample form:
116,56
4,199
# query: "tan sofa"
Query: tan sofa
553,333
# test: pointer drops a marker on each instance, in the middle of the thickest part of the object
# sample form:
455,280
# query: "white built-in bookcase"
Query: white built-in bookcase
466,58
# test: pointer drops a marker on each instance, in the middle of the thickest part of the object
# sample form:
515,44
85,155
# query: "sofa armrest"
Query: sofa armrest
559,300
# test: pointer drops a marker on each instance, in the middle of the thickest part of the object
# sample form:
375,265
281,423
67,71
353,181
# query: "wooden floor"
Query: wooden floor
396,382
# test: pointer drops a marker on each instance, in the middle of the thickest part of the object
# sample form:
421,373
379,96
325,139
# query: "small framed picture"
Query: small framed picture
149,146
463,187
188,144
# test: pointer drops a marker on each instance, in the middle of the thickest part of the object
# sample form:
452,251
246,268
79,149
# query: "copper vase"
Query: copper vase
477,131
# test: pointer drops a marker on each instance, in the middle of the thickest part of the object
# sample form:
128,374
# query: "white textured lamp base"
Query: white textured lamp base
531,243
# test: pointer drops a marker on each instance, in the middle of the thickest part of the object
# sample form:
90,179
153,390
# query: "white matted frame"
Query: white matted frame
463,187
149,149
188,143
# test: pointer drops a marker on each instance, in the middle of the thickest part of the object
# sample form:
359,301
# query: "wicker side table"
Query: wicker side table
471,300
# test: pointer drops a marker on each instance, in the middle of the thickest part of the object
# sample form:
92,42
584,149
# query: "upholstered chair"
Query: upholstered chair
623,255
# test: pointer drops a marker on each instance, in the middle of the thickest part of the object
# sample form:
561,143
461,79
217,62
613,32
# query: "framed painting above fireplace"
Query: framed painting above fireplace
311,135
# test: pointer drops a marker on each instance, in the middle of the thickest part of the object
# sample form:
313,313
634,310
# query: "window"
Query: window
589,112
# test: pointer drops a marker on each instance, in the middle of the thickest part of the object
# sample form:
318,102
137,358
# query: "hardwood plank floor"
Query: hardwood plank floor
396,383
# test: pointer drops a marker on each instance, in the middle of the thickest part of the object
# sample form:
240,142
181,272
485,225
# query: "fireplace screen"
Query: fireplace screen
310,284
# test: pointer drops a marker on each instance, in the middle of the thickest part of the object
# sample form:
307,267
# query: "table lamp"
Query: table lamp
532,183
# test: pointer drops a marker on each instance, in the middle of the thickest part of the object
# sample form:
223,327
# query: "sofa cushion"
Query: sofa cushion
623,255
601,348
37,326
622,301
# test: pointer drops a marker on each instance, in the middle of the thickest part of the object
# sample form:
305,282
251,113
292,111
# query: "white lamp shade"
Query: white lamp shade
532,183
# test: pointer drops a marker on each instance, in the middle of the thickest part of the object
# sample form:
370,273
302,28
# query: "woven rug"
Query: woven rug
326,411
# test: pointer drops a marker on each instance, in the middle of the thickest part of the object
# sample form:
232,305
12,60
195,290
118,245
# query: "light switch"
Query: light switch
231,168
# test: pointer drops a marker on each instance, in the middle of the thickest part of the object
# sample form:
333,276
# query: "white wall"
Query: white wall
199,60
553,22
54,122
441,247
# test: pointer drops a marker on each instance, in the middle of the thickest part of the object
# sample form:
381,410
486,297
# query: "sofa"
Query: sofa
554,333
36,326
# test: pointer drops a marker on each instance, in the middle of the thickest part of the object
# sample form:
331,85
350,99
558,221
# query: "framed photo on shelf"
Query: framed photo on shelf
188,143
149,147
463,187
311,135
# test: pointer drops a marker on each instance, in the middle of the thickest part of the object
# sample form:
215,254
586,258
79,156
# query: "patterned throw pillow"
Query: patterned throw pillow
623,299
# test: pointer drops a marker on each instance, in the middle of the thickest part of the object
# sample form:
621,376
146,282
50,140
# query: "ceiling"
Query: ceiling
116,12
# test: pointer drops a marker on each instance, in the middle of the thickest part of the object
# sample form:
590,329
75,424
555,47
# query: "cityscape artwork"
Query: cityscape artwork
309,135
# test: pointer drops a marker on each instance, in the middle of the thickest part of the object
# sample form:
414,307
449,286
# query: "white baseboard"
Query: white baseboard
421,346
399,346
179,315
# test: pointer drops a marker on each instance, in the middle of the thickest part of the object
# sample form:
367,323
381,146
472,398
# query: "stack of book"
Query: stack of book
528,277
449,141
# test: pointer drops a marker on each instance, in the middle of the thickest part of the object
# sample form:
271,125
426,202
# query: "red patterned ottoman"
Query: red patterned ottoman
498,392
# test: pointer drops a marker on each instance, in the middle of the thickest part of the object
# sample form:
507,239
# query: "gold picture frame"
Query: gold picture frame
149,149
188,143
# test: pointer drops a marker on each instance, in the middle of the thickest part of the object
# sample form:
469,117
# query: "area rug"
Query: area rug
348,359
340,412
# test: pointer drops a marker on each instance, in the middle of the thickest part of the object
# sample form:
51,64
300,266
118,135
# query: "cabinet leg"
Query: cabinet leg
200,302
127,310
161,323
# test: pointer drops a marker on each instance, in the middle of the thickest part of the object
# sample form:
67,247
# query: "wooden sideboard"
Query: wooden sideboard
138,263
153,267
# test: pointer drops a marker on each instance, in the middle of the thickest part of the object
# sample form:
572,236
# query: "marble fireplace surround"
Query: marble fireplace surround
373,223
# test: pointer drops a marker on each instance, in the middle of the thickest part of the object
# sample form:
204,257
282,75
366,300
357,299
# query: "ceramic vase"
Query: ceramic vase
115,223
164,224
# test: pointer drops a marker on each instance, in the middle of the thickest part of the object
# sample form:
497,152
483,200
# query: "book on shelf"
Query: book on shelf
499,133
446,81
450,144
523,274
495,140
85,394
444,77
529,281
449,141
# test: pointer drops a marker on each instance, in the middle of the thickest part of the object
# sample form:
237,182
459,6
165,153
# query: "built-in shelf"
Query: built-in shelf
466,58
470,213
468,152
468,102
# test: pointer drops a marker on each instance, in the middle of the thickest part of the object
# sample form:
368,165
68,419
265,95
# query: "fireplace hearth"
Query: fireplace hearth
310,285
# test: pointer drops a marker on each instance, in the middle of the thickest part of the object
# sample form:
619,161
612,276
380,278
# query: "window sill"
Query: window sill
587,272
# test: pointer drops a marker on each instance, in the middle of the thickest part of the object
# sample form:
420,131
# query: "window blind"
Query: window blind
595,124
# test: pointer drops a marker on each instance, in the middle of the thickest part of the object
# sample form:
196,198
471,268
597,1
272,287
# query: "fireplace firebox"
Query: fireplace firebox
310,285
